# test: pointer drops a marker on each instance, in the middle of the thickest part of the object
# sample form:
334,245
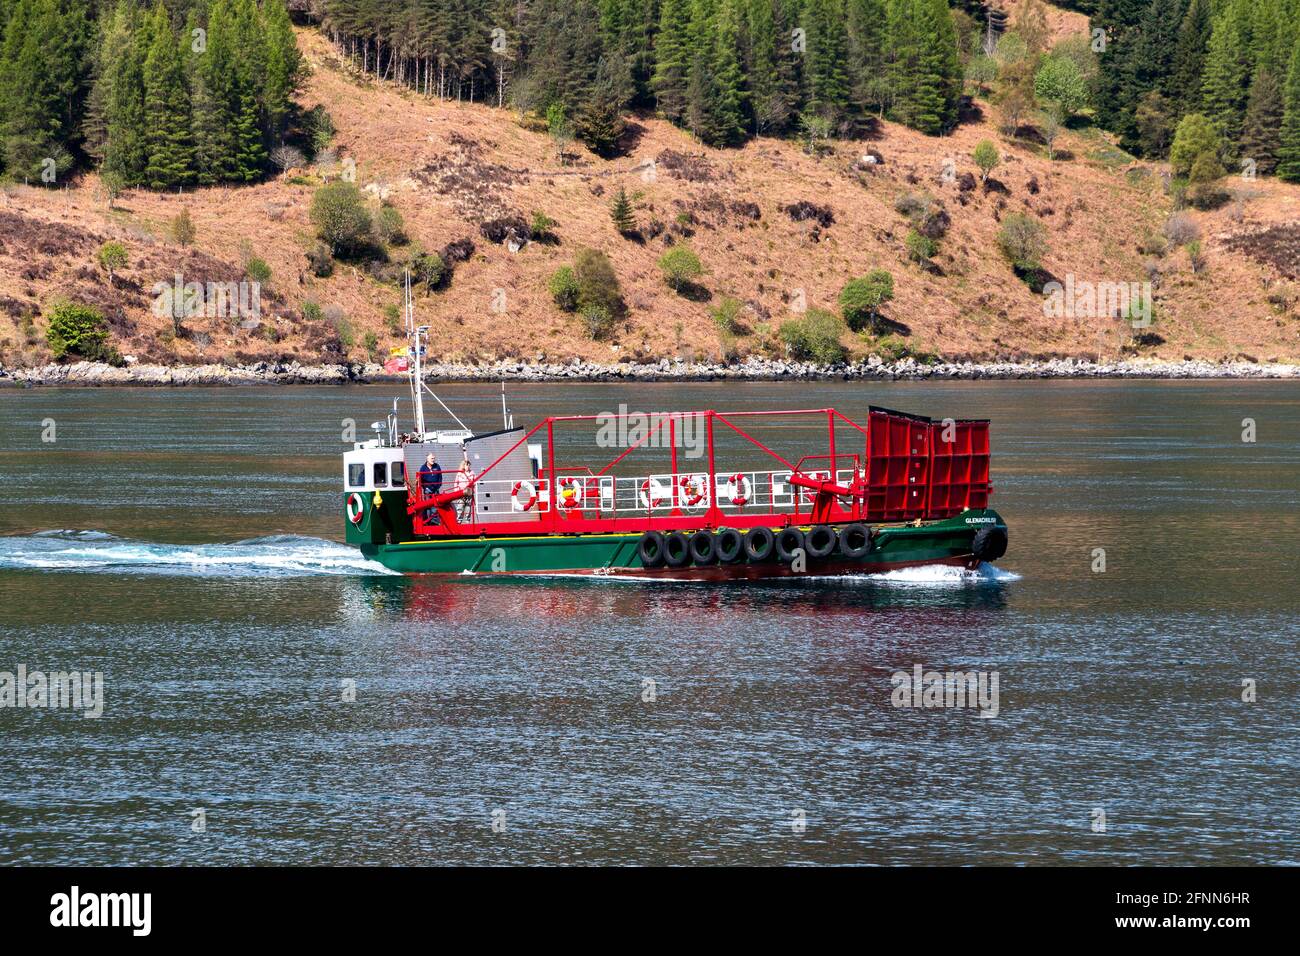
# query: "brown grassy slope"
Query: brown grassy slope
448,167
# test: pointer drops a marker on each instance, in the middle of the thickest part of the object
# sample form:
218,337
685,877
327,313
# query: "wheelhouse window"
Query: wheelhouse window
356,475
381,474
399,473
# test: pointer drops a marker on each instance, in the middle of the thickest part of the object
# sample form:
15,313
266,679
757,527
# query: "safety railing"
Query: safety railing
596,496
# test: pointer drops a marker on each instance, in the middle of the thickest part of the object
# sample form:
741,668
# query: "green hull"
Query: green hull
894,546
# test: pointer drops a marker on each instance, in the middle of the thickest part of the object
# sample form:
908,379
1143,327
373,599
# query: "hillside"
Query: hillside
450,167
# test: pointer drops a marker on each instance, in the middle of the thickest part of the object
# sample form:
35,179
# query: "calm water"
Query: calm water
183,543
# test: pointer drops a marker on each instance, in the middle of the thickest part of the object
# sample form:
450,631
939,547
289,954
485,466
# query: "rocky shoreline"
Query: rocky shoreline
95,374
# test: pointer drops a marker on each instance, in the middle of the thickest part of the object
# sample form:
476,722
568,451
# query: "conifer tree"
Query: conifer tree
865,25
1116,99
1288,153
726,110
169,141
283,68
1262,133
772,66
41,85
126,153
827,58
1226,83
673,58
212,101
1189,56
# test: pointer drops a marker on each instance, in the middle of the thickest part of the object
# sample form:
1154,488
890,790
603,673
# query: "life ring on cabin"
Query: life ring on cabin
739,489
527,503
651,494
692,489
572,492
356,508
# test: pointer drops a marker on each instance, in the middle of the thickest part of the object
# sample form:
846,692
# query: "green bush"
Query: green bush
1206,168
1195,135
319,127
1023,240
311,312
371,342
389,226
599,321
320,261
920,248
542,227
727,316
681,267
597,283
80,330
182,228
861,299
112,256
258,270
337,318
428,269
342,221
986,157
814,338
564,288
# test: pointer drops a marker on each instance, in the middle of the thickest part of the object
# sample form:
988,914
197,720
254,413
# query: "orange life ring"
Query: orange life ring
572,492
692,493
739,489
528,503
647,500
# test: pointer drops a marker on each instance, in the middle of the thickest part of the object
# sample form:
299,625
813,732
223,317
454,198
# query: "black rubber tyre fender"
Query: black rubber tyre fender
704,547
677,550
731,546
651,549
760,543
820,541
788,542
989,544
855,540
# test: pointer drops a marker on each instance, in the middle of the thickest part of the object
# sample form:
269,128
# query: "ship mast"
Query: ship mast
414,369
417,335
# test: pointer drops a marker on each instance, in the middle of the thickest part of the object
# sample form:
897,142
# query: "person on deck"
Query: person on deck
463,480
430,476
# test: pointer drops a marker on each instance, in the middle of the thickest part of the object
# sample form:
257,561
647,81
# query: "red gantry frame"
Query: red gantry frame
910,468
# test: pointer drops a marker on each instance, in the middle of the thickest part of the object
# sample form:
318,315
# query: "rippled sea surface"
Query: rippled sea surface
185,544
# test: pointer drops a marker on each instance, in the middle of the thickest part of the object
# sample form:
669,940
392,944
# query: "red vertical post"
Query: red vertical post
830,427
672,450
715,513
550,472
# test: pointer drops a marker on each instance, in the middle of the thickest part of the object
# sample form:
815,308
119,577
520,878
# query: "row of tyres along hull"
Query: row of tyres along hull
894,546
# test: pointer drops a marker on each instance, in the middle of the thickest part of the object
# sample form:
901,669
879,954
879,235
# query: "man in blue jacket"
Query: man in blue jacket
430,476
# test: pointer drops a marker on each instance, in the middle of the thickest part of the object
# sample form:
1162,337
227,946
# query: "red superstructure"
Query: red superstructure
896,468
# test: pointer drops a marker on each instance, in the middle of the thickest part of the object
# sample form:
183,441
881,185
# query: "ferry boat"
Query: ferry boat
691,495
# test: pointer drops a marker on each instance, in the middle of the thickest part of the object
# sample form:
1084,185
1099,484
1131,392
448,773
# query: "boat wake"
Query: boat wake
939,575
96,551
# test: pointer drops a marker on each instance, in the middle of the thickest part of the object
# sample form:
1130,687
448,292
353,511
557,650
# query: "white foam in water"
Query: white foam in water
941,575
271,556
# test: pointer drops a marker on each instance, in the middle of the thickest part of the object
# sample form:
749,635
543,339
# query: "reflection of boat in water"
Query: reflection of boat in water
714,503
434,600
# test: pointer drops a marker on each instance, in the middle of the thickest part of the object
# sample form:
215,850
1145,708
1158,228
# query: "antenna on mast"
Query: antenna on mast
507,420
